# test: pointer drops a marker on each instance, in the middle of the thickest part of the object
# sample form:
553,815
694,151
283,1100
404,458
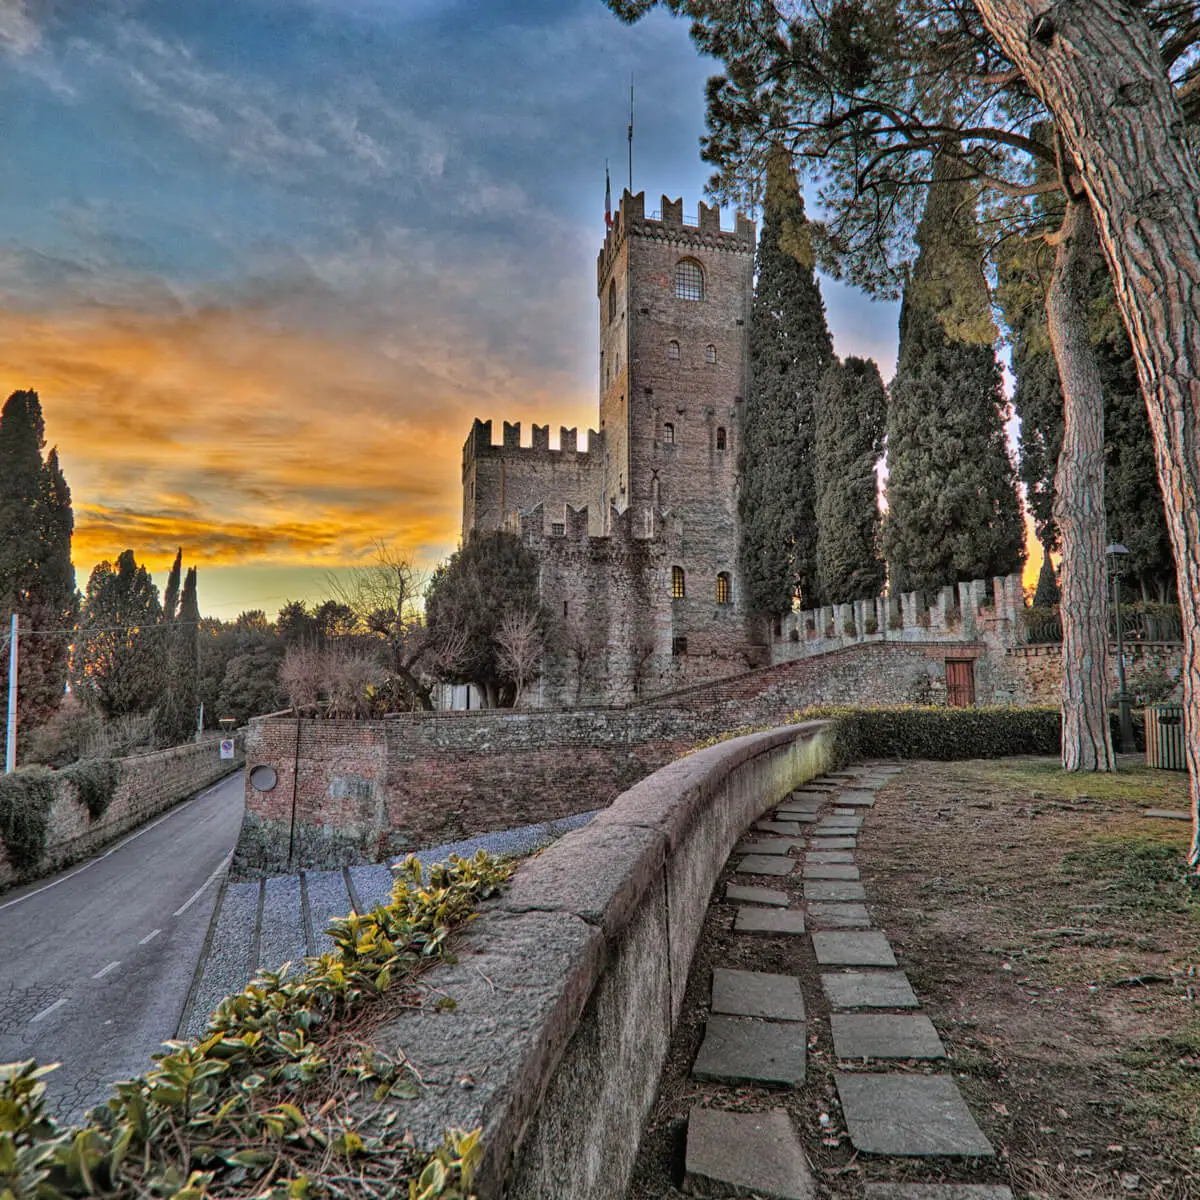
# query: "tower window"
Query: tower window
724,591
689,279
678,583
679,646
673,350
612,300
710,353
668,433
720,437
557,529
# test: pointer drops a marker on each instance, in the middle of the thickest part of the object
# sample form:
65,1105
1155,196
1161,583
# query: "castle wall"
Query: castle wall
500,481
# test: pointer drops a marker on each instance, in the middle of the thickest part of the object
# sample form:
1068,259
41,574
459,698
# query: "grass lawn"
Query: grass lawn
1051,935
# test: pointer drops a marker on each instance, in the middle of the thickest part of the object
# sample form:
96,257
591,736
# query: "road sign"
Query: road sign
227,747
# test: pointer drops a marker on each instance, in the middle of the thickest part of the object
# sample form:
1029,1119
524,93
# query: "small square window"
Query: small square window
557,528
679,647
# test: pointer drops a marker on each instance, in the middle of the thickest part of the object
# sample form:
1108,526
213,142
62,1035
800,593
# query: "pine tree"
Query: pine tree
790,349
850,420
37,580
954,513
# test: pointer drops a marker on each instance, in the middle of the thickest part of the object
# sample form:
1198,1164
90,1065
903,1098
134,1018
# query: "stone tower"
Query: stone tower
675,303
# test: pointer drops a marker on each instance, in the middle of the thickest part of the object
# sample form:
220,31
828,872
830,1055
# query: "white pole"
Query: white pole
10,748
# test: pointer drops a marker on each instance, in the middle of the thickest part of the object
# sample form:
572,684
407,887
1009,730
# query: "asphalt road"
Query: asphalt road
96,963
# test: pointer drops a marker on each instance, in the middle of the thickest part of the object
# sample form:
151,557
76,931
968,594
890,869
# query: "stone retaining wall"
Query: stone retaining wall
567,989
147,784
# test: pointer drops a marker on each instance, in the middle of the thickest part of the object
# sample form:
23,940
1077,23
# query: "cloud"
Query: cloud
251,440
19,33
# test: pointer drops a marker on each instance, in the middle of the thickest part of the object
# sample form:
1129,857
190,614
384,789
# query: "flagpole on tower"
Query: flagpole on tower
631,134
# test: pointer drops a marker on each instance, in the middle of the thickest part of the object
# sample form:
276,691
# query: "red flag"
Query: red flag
607,200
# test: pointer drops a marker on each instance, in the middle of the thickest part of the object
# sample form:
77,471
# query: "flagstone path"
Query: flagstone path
894,1098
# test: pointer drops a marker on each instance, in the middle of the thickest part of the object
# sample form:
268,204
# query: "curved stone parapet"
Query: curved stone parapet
566,990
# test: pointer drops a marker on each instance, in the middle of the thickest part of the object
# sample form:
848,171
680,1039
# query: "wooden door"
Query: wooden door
960,682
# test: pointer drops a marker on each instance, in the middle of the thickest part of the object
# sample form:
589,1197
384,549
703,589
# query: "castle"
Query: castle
637,535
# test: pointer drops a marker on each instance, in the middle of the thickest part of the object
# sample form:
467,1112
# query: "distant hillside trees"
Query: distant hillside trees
851,415
790,349
954,513
37,579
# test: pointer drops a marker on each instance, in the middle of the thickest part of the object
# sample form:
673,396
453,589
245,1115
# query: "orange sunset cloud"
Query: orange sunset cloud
249,441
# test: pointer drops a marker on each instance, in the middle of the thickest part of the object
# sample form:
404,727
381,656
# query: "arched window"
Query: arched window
612,300
710,353
720,437
678,583
724,589
689,279
668,433
673,350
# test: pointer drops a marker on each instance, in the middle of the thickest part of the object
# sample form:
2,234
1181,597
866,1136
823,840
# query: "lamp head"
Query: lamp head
1116,548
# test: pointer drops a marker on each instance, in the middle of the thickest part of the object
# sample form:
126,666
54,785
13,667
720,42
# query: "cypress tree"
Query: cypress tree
1133,500
37,580
954,513
790,349
1047,594
171,591
851,416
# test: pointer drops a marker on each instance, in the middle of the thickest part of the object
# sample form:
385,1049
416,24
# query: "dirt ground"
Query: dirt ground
1050,936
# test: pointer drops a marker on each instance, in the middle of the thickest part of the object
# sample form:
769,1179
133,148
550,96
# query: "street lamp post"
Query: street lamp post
1113,550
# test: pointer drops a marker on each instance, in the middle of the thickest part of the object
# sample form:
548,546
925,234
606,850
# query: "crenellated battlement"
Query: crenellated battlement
630,220
479,443
625,527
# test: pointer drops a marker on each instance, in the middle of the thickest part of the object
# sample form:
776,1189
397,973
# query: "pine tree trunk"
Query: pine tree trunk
1079,502
1098,69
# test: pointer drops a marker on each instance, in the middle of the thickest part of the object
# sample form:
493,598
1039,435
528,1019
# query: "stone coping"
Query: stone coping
567,989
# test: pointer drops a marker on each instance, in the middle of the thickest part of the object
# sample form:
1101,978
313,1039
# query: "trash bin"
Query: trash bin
1164,737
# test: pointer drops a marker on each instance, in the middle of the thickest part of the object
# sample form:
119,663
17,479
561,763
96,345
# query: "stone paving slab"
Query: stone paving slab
800,816
829,856
829,842
884,1035
844,812
756,1151
769,920
770,845
837,827
830,871
853,949
834,889
937,1191
837,916
757,994
743,1048
765,864
755,895
808,803
909,1115
1166,814
869,989
856,799
792,828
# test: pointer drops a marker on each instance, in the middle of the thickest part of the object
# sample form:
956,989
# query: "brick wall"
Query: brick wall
367,790
147,784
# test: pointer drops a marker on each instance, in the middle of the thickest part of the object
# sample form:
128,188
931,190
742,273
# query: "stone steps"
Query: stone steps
756,1033
261,924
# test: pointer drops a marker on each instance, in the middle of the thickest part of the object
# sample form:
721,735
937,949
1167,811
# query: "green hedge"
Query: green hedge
939,733
95,783
25,800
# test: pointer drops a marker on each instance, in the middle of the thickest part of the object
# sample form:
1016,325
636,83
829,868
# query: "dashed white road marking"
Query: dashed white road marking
114,848
112,966
150,937
47,1011
201,889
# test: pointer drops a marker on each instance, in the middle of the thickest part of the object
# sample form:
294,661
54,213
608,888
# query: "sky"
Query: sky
265,260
